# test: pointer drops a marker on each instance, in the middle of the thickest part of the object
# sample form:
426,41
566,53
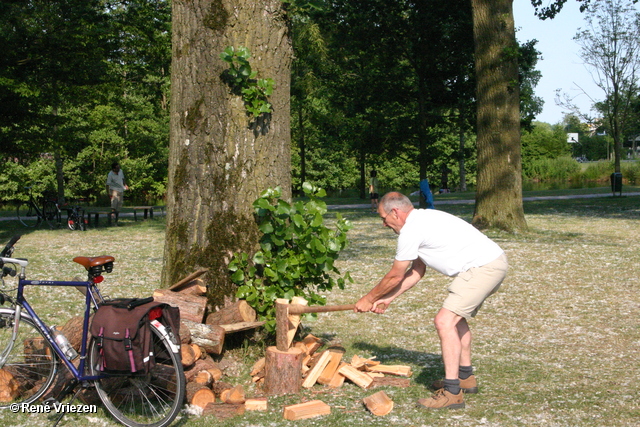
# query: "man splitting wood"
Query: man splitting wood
452,246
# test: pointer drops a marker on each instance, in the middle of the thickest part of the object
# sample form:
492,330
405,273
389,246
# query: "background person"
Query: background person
116,185
451,246
373,189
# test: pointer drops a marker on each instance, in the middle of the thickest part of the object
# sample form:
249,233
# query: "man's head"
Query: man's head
115,166
394,209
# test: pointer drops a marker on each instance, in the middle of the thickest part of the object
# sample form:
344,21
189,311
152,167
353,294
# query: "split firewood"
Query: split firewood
357,377
329,371
316,371
338,379
196,287
234,396
390,382
362,363
187,280
256,404
199,395
242,326
312,343
9,387
294,320
399,370
378,403
209,337
258,367
223,410
238,312
302,346
314,408
192,307
188,356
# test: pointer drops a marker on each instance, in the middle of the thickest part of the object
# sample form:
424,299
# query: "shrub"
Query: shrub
296,256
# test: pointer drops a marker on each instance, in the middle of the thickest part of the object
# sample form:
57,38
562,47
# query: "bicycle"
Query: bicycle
76,219
30,355
32,214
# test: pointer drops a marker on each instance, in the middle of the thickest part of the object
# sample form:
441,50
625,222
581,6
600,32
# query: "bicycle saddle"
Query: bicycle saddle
88,262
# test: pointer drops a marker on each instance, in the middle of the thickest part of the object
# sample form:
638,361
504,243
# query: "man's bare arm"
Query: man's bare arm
389,282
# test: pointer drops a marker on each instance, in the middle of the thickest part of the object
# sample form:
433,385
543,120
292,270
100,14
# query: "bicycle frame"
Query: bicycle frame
90,302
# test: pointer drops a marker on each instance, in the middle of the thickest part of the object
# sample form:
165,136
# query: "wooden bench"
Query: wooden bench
148,211
96,216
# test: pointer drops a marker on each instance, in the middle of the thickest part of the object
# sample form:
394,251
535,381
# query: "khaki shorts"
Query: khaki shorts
116,200
471,288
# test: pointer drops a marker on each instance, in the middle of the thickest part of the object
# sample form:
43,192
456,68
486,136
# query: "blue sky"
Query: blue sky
561,66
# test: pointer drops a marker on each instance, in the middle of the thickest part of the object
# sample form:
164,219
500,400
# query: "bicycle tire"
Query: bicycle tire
31,365
27,215
51,214
144,400
73,222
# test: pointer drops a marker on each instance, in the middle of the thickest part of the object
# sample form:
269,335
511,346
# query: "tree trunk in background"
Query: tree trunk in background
499,181
218,166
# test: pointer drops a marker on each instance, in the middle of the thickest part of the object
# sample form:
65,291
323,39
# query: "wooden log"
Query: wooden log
329,371
73,331
9,387
197,351
355,376
378,403
220,387
216,373
282,371
399,370
188,356
190,278
203,378
210,338
256,404
234,395
390,382
196,287
185,334
282,324
192,307
242,326
316,371
199,395
294,320
314,408
338,379
200,365
238,312
223,411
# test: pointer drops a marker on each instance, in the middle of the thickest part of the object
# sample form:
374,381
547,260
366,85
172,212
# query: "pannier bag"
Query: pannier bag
121,328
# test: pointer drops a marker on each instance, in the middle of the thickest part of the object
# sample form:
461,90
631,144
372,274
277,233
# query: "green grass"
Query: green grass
558,345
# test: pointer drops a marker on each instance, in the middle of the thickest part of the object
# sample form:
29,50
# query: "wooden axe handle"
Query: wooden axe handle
301,309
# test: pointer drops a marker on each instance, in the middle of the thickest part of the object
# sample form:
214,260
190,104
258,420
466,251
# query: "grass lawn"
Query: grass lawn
558,345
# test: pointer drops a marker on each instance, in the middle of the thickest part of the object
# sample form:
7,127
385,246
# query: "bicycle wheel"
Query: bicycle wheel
152,399
30,366
73,222
27,215
51,214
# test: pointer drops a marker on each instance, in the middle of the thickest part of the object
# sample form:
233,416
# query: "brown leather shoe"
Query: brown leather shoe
443,399
469,386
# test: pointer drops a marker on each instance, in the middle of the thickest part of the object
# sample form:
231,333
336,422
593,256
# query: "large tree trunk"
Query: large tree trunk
499,181
219,162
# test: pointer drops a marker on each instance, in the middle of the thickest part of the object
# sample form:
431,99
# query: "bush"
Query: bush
296,256
561,168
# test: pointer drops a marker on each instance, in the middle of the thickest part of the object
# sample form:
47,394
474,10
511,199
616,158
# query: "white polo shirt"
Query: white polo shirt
444,242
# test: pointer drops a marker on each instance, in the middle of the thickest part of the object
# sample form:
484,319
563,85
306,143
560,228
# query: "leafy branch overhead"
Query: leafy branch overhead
242,80
297,253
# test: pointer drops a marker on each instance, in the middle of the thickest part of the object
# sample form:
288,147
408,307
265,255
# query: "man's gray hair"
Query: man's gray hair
395,200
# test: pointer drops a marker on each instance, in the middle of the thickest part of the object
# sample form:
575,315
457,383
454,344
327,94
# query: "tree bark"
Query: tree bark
499,180
219,160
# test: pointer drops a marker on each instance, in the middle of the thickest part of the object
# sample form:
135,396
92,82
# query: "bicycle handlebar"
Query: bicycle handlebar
9,248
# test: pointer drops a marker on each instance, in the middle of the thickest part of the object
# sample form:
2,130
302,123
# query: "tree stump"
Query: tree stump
283,371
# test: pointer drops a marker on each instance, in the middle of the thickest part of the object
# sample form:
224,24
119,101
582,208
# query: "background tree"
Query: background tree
611,48
221,157
499,182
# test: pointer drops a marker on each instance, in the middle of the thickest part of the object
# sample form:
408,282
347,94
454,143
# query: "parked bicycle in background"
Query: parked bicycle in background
34,212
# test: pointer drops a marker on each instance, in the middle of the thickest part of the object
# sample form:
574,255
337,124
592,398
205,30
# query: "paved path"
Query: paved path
461,202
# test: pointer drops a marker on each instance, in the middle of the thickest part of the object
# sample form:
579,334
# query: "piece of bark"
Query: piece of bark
294,320
338,379
399,370
329,371
242,326
182,283
355,376
314,408
378,403
256,404
210,338
238,312
192,307
390,382
223,410
316,371
282,371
